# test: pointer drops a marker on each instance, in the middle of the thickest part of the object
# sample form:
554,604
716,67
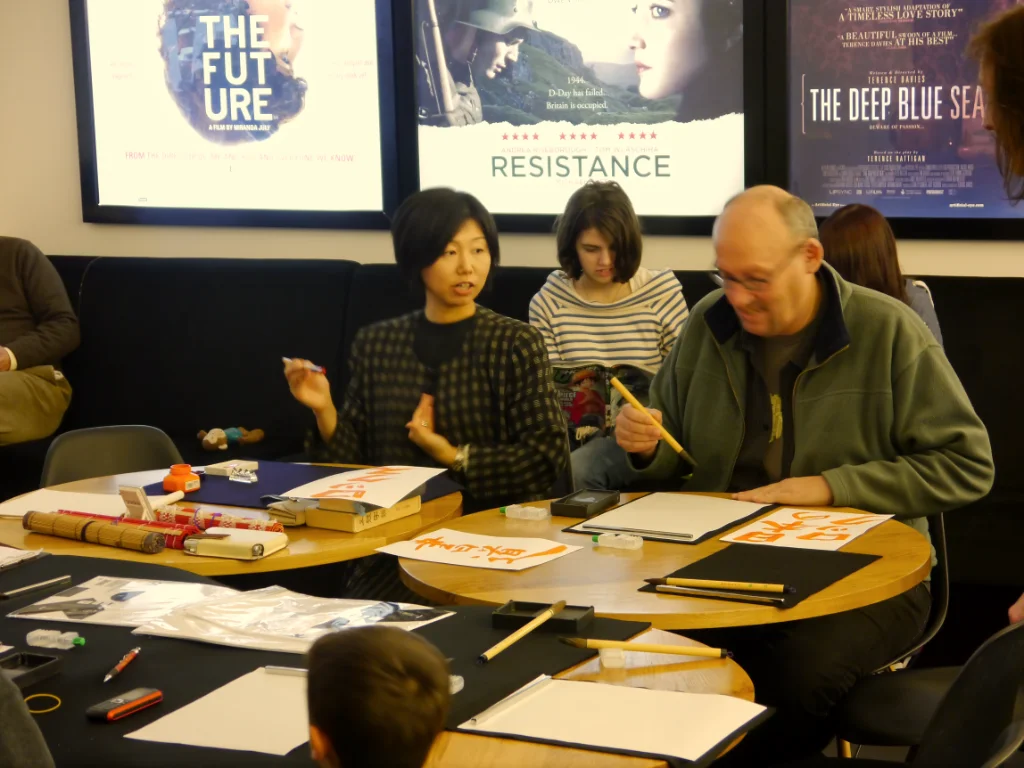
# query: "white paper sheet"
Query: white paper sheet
276,619
119,602
45,500
807,529
379,486
231,717
9,556
668,723
502,553
682,516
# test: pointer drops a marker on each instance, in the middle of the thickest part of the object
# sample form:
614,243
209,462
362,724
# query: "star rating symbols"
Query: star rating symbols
643,135
572,136
654,135
562,137
622,135
515,137
593,136
632,135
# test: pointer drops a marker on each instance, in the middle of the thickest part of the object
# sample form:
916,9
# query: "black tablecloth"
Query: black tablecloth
186,671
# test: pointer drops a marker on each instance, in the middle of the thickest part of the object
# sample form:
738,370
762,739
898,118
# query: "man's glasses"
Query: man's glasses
756,284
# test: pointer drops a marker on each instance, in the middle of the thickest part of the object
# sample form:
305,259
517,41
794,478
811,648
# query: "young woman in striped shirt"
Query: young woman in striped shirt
602,307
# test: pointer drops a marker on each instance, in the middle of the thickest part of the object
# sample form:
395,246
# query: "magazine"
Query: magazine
589,401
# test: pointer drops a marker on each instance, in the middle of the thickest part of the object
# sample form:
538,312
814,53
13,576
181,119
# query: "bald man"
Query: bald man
793,386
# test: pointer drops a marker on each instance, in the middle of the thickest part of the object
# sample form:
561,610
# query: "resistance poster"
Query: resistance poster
886,109
236,104
520,102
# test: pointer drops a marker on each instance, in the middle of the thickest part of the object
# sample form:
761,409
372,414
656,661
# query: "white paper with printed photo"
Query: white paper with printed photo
501,553
277,619
118,602
806,529
379,486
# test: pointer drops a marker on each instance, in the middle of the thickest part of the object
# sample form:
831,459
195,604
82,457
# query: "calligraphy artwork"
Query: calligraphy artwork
806,529
501,553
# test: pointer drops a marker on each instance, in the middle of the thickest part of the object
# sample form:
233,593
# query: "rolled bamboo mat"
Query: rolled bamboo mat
94,531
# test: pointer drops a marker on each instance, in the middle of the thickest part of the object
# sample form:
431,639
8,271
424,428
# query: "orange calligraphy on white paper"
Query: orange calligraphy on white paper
479,551
806,528
378,486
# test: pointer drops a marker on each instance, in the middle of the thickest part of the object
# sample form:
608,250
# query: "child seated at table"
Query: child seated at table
378,697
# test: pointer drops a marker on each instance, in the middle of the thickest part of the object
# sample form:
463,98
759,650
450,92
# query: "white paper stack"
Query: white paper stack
617,717
683,517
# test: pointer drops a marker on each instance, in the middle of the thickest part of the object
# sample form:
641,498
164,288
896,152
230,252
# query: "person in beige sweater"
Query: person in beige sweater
38,329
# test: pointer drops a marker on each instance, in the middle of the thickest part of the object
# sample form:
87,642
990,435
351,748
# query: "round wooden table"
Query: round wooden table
608,579
642,670
306,547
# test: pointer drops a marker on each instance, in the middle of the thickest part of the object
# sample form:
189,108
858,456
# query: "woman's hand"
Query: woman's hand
421,432
313,390
308,387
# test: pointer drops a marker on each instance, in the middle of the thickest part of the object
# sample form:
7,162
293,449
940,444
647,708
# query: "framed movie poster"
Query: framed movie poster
235,112
520,102
885,109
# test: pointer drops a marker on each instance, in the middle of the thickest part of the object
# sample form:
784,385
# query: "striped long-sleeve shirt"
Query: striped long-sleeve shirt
639,330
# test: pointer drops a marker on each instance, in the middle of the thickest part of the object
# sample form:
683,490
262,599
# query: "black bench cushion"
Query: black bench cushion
191,344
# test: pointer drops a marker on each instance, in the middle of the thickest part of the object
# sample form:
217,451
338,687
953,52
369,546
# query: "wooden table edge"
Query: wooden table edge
217,566
723,620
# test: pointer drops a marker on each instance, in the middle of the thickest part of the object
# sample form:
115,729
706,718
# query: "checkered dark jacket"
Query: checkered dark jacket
496,396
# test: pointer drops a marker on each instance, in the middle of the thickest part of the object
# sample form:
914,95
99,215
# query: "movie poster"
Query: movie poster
521,102
236,104
886,109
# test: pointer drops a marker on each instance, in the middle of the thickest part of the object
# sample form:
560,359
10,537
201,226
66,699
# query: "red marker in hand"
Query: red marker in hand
122,664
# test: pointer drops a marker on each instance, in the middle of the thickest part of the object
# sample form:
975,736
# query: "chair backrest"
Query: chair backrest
979,706
100,451
939,586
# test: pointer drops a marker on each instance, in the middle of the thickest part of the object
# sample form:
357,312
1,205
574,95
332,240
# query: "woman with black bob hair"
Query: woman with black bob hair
268,94
452,385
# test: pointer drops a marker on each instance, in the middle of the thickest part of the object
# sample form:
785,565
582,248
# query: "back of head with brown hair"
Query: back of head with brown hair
999,47
604,206
860,246
379,694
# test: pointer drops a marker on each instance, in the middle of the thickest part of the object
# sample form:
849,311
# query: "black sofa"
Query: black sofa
191,344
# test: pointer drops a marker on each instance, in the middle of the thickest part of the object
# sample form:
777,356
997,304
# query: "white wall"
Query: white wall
40,194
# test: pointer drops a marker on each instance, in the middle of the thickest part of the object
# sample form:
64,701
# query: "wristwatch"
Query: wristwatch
461,458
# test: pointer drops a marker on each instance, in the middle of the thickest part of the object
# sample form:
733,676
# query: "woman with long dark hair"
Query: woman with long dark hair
860,245
999,48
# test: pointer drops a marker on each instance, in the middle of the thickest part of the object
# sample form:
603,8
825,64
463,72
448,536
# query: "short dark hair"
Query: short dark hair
997,46
380,696
601,205
427,221
860,246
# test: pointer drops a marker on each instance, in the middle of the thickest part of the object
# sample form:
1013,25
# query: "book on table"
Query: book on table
355,517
